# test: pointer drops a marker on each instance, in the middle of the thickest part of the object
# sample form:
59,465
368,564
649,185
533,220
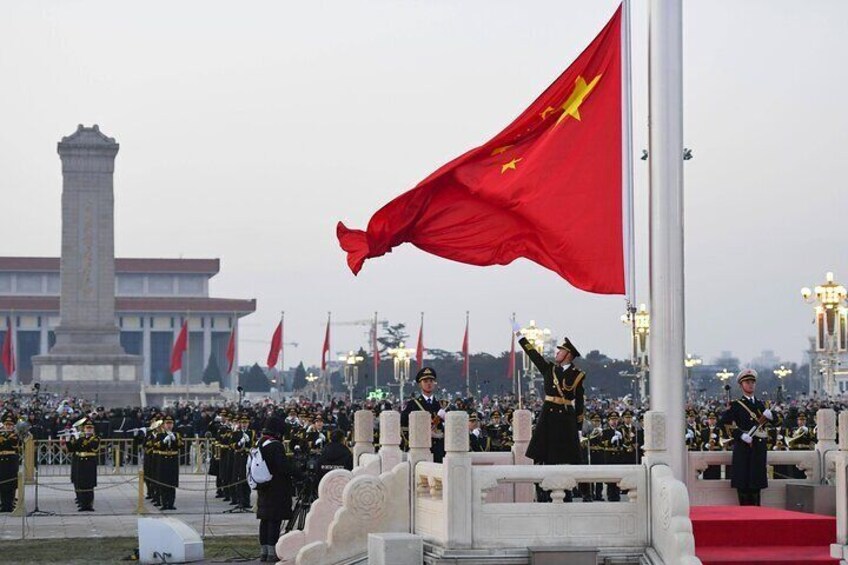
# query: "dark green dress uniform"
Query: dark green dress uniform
167,449
749,460
596,453
498,434
10,446
555,440
799,438
613,441
246,439
85,451
431,405
711,436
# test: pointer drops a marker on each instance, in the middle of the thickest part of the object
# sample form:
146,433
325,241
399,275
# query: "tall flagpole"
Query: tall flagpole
467,360
627,158
512,356
665,90
375,352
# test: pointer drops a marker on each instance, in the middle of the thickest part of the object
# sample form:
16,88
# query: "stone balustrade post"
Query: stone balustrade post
390,453
656,445
839,550
826,431
456,481
363,434
522,431
420,439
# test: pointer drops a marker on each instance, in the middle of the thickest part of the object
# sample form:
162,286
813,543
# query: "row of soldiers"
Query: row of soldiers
161,445
232,439
710,436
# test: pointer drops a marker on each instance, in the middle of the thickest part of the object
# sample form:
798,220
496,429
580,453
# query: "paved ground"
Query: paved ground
115,504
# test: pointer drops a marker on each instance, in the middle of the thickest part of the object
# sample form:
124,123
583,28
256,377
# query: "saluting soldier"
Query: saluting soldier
426,401
711,440
85,450
555,439
246,440
167,448
750,416
10,446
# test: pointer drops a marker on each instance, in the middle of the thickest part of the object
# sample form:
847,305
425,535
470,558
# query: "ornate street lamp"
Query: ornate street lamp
831,326
537,337
723,375
780,373
351,371
689,362
401,357
639,321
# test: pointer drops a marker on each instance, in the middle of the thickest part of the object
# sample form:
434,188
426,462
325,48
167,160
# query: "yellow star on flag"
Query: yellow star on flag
571,107
499,150
509,165
546,111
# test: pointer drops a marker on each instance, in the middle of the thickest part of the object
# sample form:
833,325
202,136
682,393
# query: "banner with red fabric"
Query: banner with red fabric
8,350
419,350
548,188
325,351
180,347
276,346
231,351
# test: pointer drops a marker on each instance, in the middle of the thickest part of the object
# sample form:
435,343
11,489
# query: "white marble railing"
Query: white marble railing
599,524
428,506
718,491
839,550
671,529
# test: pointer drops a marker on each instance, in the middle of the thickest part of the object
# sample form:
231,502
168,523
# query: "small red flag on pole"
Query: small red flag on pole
325,352
465,364
419,351
8,350
276,345
231,351
180,347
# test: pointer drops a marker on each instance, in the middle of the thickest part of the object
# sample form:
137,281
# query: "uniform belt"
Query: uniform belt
8,452
559,400
166,452
86,454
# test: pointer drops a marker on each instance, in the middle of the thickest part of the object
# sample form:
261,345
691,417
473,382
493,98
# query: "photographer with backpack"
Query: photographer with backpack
274,495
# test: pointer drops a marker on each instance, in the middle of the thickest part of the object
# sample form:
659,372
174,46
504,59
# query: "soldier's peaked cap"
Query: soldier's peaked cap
746,375
566,345
425,373
169,418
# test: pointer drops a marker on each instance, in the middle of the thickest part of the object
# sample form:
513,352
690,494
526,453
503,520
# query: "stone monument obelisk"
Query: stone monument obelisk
88,359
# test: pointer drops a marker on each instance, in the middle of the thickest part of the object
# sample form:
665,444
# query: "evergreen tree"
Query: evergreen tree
255,380
212,373
299,377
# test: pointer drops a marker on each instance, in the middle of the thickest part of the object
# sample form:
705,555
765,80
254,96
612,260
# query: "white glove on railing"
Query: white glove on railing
442,414
746,438
767,413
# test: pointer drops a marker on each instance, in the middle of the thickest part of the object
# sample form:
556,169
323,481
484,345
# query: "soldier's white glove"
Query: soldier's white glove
713,436
616,437
767,413
320,440
172,436
442,414
76,434
803,429
690,434
746,438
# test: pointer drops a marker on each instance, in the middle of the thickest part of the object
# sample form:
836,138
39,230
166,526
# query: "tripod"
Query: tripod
307,495
36,511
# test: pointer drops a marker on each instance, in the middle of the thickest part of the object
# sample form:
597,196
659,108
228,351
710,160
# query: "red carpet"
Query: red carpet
755,534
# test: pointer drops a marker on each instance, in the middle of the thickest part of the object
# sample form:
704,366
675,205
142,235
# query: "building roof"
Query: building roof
122,265
131,304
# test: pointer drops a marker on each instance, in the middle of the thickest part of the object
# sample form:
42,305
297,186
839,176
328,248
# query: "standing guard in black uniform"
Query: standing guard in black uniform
799,438
476,440
85,451
595,452
555,439
10,446
245,439
749,415
150,460
426,379
225,464
613,439
167,448
498,433
711,440
693,431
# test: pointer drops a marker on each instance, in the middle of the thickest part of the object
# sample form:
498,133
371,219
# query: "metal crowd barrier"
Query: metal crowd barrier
118,456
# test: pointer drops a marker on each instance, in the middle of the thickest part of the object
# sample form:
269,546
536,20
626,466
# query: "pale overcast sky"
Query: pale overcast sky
248,130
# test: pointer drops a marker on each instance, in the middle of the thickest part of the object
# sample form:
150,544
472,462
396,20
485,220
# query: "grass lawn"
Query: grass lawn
116,550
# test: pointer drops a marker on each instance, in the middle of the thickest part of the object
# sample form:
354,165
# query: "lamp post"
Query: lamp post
400,357
537,337
780,373
831,310
351,371
723,375
689,362
639,321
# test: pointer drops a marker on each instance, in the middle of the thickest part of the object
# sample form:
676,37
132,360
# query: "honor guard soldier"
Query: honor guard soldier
167,449
555,440
10,446
595,451
246,440
85,450
711,440
476,440
799,438
498,433
316,435
223,441
614,443
630,443
426,401
693,431
150,457
750,416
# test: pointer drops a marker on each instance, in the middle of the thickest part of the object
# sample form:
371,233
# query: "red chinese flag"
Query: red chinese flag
547,188
8,351
325,352
231,351
465,351
276,345
419,351
180,347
